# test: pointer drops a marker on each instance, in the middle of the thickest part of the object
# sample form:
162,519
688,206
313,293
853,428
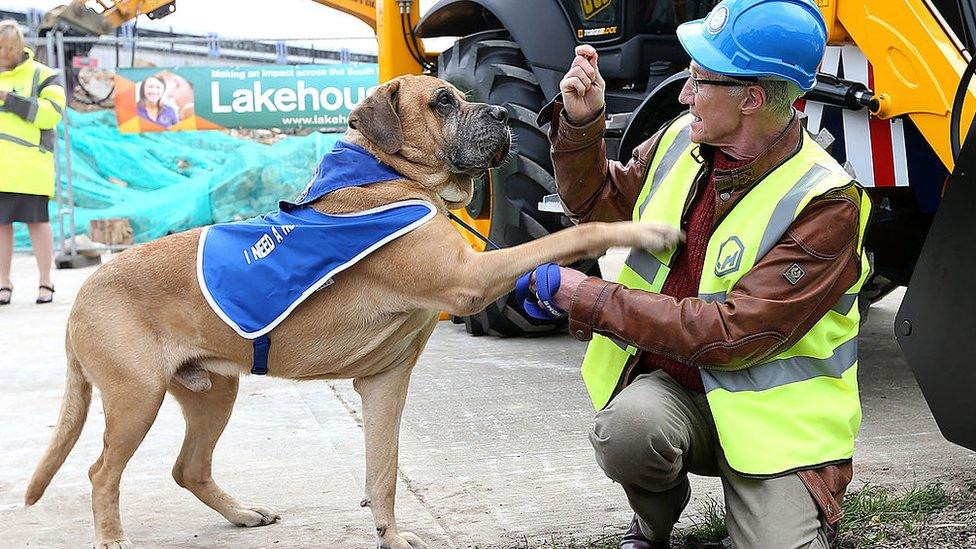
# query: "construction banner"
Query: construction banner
208,98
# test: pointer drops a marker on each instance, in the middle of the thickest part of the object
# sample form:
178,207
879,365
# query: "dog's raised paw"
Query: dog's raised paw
405,540
123,543
255,515
414,541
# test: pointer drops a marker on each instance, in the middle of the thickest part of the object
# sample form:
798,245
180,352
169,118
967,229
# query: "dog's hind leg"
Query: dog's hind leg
131,405
206,416
383,397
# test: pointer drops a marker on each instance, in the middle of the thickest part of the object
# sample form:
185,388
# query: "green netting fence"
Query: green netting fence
172,181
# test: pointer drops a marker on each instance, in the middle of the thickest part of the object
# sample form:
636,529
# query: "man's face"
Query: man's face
716,110
11,52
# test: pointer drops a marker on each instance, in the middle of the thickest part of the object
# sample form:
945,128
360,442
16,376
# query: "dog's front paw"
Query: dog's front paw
414,541
655,237
255,515
123,543
403,540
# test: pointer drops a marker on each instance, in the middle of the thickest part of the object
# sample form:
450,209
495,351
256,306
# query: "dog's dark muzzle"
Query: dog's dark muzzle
498,117
483,140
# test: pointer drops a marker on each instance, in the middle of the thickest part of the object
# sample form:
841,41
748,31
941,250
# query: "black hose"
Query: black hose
420,50
957,104
411,40
135,34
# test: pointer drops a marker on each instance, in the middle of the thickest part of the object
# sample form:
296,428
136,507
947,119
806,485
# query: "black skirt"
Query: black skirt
26,208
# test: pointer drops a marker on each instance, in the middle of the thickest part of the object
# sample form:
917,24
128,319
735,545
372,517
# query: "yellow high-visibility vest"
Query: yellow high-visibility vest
27,142
800,408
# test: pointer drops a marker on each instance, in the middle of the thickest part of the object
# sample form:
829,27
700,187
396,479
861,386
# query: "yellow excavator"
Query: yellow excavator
98,17
388,19
896,97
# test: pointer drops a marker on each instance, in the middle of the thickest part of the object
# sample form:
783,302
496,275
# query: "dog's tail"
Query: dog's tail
74,411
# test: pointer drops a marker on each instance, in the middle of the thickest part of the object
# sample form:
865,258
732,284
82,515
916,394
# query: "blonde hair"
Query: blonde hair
9,27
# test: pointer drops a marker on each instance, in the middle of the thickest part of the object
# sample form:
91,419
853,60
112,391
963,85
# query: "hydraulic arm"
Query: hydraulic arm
919,65
393,21
400,52
99,17
917,61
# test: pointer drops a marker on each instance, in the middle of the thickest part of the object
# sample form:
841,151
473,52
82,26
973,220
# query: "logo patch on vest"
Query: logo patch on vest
729,256
794,273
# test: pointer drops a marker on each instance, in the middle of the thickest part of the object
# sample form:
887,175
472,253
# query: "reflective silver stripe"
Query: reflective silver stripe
679,144
47,82
783,372
845,303
644,264
17,140
786,208
48,139
32,110
56,106
717,296
35,85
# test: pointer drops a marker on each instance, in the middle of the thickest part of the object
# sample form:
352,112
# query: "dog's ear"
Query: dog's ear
376,118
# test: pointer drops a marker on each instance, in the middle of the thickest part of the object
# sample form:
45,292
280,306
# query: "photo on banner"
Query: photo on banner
270,96
164,99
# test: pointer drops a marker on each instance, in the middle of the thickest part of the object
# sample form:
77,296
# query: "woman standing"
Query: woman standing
151,105
31,105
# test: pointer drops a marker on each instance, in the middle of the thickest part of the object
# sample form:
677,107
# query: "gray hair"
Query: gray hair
780,95
10,29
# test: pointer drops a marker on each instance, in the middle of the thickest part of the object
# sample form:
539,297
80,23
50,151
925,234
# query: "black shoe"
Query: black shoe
5,300
48,298
634,539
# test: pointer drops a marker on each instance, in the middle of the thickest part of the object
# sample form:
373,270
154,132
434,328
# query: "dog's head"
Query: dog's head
424,128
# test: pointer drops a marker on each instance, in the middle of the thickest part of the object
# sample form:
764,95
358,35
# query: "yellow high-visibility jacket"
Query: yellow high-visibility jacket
33,107
799,409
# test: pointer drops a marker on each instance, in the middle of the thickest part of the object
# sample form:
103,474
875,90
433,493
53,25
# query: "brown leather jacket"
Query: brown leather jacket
763,315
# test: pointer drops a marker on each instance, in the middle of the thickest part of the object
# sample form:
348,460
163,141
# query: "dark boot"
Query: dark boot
634,539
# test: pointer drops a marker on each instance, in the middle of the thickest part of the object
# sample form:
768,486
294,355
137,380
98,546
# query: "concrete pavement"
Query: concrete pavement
493,445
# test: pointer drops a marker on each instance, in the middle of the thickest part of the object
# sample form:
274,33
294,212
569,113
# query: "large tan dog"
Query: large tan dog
141,327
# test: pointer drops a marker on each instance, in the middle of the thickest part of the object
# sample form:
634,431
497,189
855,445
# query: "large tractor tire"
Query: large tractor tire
490,67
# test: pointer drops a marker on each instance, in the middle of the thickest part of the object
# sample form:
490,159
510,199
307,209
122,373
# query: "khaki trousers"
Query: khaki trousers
655,432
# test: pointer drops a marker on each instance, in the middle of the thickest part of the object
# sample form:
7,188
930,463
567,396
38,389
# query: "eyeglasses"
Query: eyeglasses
697,82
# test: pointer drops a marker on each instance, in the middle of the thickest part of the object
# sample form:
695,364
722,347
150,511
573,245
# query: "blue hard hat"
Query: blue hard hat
779,38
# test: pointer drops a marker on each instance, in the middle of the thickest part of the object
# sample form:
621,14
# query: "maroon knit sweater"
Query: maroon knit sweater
685,275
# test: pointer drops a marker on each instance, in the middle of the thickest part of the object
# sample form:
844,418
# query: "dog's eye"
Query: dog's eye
444,103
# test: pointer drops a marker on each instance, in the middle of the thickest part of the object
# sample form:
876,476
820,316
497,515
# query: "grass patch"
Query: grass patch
871,510
708,524
870,514
875,504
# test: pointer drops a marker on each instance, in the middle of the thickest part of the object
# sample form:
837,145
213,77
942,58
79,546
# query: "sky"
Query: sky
259,19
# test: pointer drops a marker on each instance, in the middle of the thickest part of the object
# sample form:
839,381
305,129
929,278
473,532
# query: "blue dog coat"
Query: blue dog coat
253,273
